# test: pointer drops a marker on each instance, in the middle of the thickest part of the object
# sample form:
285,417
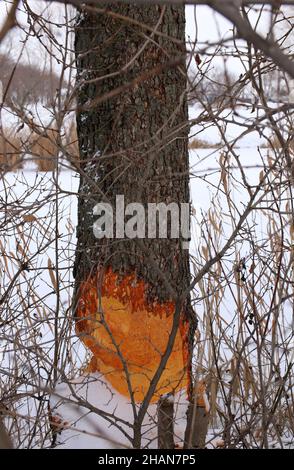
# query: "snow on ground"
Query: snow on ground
31,186
91,430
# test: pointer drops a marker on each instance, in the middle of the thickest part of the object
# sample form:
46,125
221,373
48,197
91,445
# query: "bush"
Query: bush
44,149
11,157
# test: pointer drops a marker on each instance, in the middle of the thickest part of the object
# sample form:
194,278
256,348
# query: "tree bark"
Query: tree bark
198,415
165,412
197,427
134,143
5,441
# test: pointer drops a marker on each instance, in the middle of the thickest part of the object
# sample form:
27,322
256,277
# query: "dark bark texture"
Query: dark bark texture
165,410
197,427
135,143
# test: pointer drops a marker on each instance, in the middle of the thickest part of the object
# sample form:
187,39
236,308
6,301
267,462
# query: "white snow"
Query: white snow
82,402
91,430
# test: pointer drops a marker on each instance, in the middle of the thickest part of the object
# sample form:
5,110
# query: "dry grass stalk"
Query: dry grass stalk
44,149
71,145
10,151
201,144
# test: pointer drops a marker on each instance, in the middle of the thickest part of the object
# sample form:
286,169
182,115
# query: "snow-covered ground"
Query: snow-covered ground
92,429
47,287
38,190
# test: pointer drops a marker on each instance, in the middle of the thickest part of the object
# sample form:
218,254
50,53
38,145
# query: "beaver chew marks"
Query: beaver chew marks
124,332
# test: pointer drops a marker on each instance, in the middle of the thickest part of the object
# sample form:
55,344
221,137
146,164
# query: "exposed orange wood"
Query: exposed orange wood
115,310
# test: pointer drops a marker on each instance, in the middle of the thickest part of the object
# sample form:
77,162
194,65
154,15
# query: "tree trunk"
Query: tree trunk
196,430
5,441
197,418
133,133
165,411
